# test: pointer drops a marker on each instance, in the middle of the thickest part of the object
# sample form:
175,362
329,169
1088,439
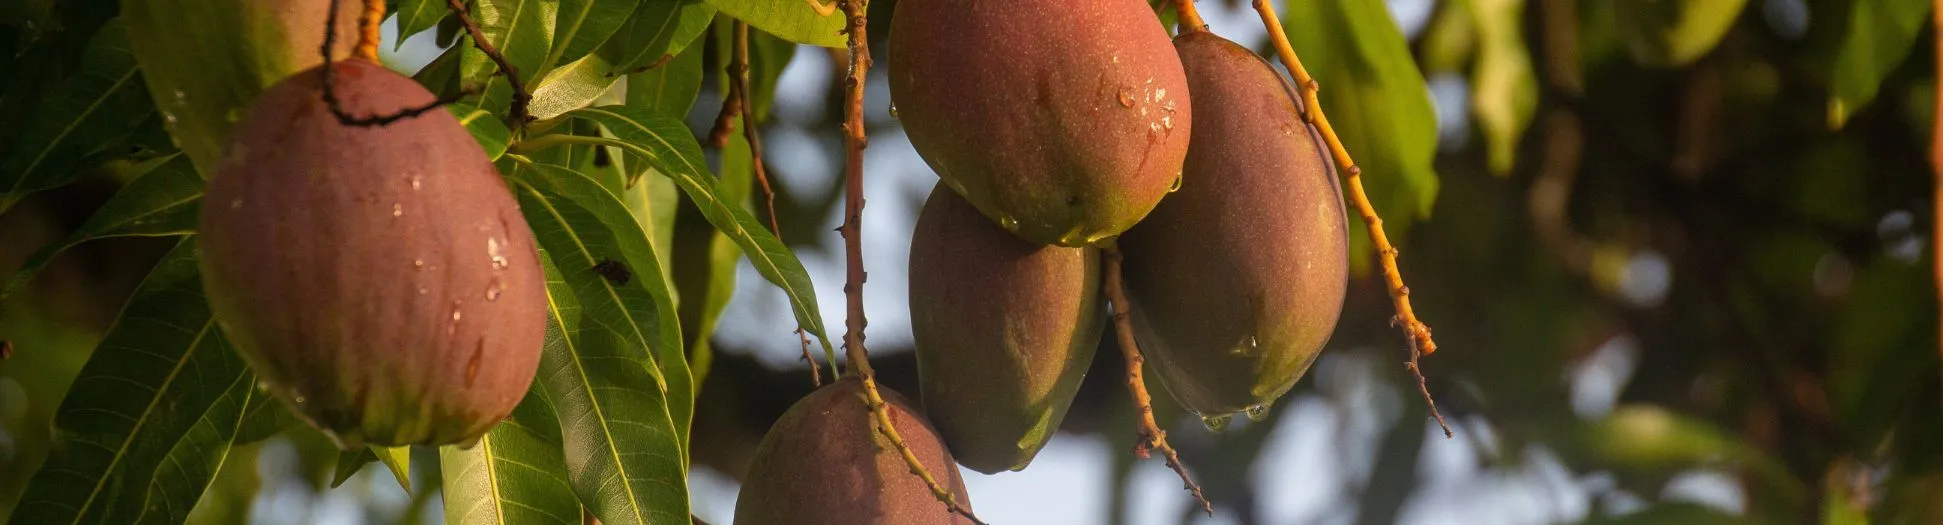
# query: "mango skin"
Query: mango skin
380,280
824,463
1236,280
1005,331
1063,122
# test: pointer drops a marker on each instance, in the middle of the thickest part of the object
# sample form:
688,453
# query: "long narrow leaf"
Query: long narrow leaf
161,202
668,147
623,457
522,31
656,33
98,107
152,378
516,473
583,25
194,462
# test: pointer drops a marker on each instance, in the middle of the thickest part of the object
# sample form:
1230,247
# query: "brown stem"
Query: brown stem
1190,17
368,35
1416,332
855,140
743,96
1150,436
517,112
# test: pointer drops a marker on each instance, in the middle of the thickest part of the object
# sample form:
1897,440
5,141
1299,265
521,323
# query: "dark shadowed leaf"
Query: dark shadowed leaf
814,22
516,474
193,464
97,108
583,226
623,457
1880,35
161,202
151,380
415,16
1377,102
656,33
1673,34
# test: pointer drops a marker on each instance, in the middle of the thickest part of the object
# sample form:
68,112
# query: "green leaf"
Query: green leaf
1880,35
1377,103
153,377
262,418
1672,34
670,89
415,16
581,225
1504,91
516,473
656,33
584,25
572,87
793,20
522,31
624,459
666,144
490,132
158,203
95,109
396,459
707,278
192,465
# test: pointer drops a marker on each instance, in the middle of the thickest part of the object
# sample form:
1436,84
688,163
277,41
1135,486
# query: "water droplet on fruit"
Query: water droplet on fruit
418,264
1160,93
421,291
1126,99
456,315
397,210
168,118
1167,123
1176,186
893,110
1217,423
497,251
1256,412
1010,224
415,183
494,290
236,204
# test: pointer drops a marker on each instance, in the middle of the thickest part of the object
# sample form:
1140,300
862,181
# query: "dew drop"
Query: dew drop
456,315
397,210
1167,123
1176,186
168,117
418,263
1160,93
1256,413
421,291
893,110
1010,224
497,251
1217,423
181,99
494,290
415,182
1126,99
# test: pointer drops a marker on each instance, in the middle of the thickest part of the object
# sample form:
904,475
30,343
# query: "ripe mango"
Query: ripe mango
1064,122
824,462
380,280
1005,330
1236,280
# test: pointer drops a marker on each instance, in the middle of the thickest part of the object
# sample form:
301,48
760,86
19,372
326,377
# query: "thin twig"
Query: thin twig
1190,17
744,97
517,112
1151,437
368,35
855,140
1415,331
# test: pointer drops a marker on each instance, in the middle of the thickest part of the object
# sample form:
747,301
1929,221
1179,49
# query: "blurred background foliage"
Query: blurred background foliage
1677,255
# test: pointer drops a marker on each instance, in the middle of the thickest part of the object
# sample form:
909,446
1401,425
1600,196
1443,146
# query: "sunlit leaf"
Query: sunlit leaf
193,464
522,31
669,89
161,202
1880,35
584,25
396,459
572,87
1378,104
1673,34
149,382
656,33
1504,88
95,109
623,456
516,473
582,226
814,22
666,144
490,132
707,277
415,16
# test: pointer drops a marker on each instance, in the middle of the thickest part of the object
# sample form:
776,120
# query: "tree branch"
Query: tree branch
1150,436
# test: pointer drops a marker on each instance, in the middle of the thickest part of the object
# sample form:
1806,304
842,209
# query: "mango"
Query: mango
1005,330
1236,281
825,463
1063,122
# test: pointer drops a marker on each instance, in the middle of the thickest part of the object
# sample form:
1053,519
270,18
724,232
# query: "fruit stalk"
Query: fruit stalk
855,140
368,32
1416,333
1151,437
1190,17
